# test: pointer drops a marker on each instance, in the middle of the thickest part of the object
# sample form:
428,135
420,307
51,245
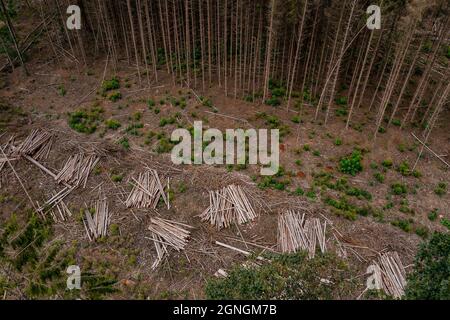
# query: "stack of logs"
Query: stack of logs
97,224
77,169
297,233
228,205
147,190
166,233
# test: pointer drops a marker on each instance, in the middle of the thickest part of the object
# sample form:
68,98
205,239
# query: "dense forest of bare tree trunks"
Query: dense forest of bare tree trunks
310,50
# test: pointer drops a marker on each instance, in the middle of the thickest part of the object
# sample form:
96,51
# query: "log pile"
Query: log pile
297,233
228,205
97,224
166,233
61,212
77,169
55,200
37,145
390,273
147,191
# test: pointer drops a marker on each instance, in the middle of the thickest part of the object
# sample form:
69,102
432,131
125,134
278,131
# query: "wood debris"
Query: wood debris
77,169
55,200
37,145
297,233
61,212
147,191
166,233
97,224
228,205
390,273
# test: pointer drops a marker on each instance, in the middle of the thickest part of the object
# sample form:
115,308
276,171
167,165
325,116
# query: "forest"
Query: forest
86,177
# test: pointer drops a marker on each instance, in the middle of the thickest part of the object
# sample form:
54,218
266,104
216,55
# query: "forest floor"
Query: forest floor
373,218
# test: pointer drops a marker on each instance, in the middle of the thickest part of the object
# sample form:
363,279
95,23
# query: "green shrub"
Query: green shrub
117,178
379,177
113,124
62,90
403,224
388,163
441,189
399,189
341,101
404,169
295,119
274,102
115,96
124,143
429,279
109,85
151,103
446,223
292,276
352,164
338,142
422,232
85,121
432,216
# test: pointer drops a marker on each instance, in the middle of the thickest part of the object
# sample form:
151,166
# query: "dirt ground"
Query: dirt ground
128,255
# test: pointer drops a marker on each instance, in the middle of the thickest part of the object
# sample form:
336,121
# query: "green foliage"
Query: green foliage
112,84
274,182
399,189
351,164
134,129
295,119
338,142
290,276
446,223
388,163
151,103
117,177
273,101
124,143
85,121
429,279
62,90
441,189
432,216
404,169
422,232
115,96
274,123
403,224
112,124
165,121
379,177
341,101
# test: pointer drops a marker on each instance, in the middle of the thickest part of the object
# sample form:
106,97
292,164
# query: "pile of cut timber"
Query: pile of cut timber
37,145
228,205
295,233
166,233
61,212
96,225
77,169
56,201
147,190
390,273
